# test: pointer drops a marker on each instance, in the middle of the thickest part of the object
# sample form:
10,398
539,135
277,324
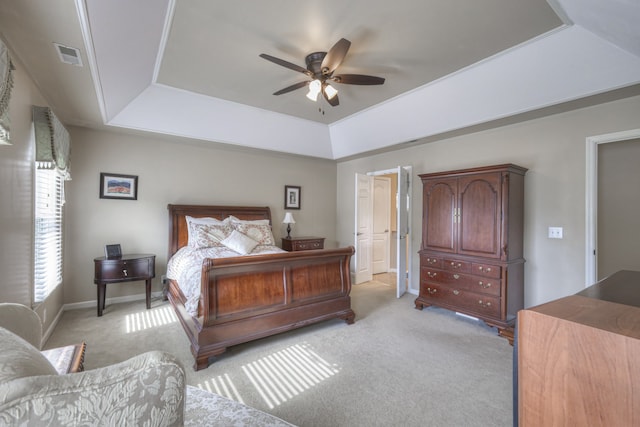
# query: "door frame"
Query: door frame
591,198
400,241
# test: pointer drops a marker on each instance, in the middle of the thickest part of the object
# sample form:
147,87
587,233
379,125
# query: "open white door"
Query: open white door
403,206
364,228
381,224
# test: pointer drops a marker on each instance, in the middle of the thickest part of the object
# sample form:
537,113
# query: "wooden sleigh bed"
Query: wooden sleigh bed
245,298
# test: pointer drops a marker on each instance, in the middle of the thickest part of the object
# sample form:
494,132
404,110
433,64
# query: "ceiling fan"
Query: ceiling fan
320,68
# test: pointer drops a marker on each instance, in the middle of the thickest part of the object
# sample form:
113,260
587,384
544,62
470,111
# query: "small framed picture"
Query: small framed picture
117,186
112,251
292,196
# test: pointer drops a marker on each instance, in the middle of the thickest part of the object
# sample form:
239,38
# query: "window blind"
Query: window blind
48,230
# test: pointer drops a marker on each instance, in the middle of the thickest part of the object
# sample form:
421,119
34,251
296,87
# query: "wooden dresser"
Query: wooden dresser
579,357
471,258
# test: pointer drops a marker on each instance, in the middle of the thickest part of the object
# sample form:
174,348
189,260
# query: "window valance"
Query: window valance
53,145
6,84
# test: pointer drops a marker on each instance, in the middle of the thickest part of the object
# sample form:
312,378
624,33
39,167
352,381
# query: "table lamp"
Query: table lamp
288,219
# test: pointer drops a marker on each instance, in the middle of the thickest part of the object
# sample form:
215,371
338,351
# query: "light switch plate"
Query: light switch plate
555,232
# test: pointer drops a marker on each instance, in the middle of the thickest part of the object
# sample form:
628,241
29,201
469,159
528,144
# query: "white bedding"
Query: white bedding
185,267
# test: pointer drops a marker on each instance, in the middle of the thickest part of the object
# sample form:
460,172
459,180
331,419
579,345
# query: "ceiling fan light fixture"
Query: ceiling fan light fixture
330,91
314,90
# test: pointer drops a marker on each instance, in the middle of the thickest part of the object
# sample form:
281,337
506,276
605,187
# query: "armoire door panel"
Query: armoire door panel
480,217
440,207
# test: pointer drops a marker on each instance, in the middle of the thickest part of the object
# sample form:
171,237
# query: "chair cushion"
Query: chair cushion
20,359
219,411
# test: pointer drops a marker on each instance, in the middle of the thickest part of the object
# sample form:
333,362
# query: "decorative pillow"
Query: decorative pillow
239,242
20,359
261,233
247,221
208,235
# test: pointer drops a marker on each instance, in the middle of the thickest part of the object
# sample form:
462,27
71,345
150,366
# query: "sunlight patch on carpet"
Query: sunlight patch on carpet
285,374
222,385
149,319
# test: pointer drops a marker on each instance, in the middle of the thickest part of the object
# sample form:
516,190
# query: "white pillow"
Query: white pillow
239,242
235,220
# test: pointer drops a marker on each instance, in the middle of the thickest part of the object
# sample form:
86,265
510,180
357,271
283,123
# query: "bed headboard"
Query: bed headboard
178,232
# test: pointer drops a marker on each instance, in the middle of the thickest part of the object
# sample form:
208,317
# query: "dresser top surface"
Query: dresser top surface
622,287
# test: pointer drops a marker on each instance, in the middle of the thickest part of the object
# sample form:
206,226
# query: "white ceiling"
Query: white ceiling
191,67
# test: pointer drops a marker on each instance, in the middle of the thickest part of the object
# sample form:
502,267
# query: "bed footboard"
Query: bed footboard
247,298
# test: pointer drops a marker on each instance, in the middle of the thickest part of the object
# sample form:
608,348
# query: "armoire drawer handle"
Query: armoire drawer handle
456,292
456,276
432,291
484,304
432,260
484,285
431,275
455,265
485,270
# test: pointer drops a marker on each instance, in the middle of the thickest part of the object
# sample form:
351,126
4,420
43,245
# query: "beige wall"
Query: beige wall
177,171
554,150
174,170
16,202
618,207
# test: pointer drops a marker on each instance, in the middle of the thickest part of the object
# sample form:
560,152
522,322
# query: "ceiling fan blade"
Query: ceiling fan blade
291,88
335,56
286,64
357,79
332,101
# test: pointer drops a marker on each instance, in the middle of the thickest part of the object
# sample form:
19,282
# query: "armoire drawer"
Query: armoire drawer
461,299
464,281
457,265
487,270
431,261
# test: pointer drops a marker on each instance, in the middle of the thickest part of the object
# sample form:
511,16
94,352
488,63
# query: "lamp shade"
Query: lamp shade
330,91
314,89
288,219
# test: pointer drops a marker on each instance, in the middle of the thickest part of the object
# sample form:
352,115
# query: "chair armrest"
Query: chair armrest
148,388
22,321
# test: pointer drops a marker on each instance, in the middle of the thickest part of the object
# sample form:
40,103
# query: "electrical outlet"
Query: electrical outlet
555,232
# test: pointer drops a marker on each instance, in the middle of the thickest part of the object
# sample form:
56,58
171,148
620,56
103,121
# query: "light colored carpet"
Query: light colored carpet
394,366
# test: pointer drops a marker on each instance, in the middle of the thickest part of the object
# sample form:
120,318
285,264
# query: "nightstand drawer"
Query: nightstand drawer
136,269
293,244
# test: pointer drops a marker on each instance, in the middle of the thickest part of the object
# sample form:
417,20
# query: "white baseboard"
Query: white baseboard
46,334
89,304
116,300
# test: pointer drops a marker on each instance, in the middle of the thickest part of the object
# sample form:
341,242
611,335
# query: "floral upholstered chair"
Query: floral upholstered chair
146,390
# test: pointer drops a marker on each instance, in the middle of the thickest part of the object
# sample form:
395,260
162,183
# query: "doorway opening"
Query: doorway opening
382,227
591,221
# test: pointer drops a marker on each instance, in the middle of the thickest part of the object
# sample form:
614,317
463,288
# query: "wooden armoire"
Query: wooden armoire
471,258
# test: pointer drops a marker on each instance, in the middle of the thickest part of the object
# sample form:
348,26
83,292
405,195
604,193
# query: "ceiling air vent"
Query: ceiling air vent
68,55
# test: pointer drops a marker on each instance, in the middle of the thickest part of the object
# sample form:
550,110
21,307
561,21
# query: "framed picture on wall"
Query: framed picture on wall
117,186
292,196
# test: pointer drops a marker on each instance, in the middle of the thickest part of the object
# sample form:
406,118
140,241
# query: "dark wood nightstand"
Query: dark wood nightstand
303,243
127,268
